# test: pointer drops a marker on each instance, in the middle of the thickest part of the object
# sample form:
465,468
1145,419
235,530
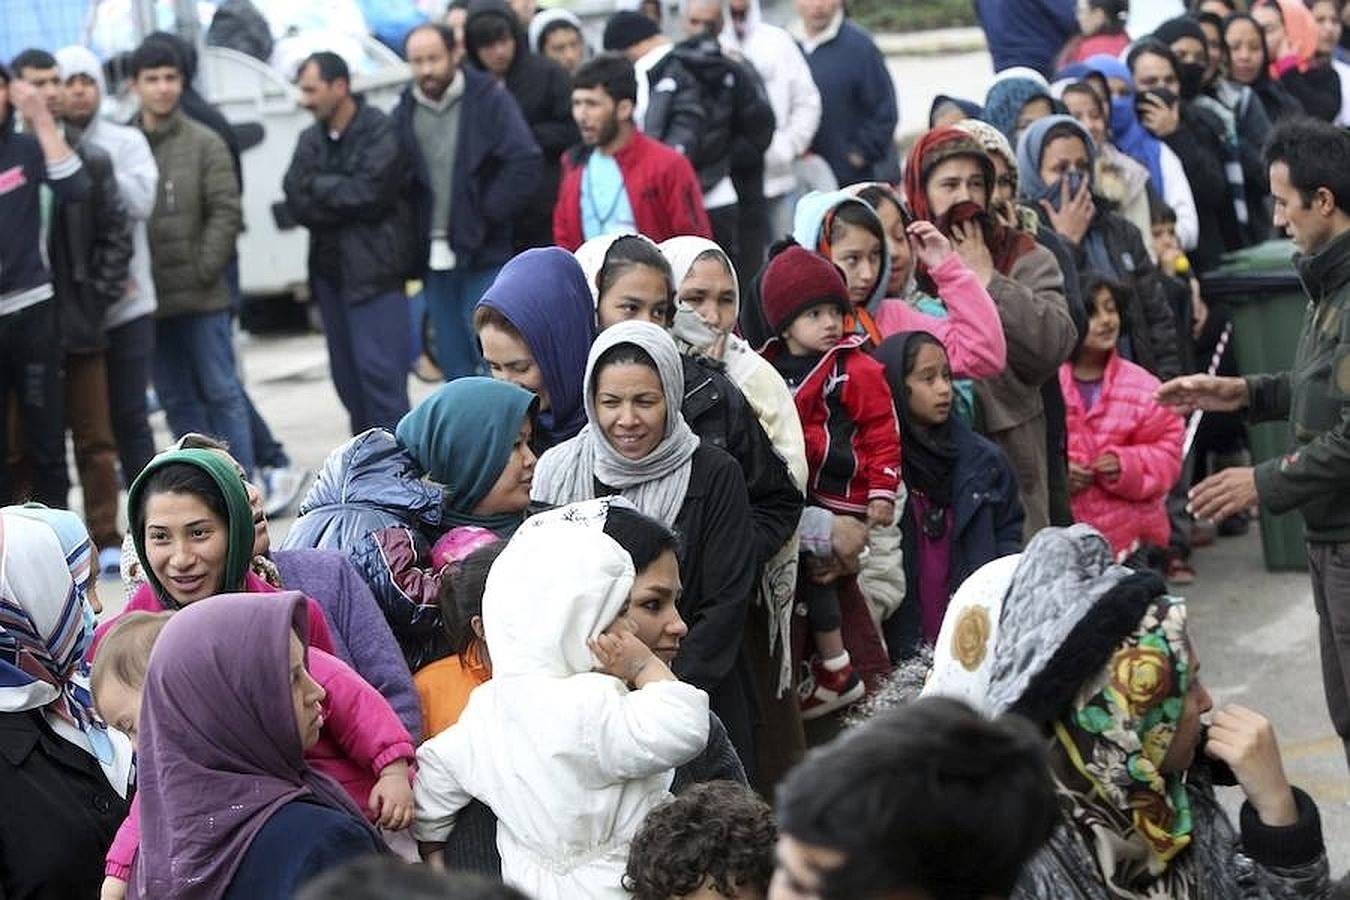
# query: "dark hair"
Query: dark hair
1159,212
181,478
876,194
33,58
1317,154
446,33
1209,18
623,355
611,71
551,27
917,342
857,215
388,877
331,67
931,797
461,595
644,538
1086,90
1151,46
488,28
1094,284
631,252
1117,11
718,830
156,53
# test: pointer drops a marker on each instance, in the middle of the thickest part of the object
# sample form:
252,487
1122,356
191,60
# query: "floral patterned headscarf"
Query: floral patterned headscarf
1110,747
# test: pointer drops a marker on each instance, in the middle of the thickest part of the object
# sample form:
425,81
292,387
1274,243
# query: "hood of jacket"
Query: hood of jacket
753,17
546,17
808,229
483,8
1061,576
560,582
374,469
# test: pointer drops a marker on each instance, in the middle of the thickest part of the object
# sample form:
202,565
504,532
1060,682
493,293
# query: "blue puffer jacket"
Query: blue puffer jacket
372,484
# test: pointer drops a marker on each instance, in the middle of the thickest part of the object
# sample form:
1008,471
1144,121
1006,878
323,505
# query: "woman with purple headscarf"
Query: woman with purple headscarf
230,809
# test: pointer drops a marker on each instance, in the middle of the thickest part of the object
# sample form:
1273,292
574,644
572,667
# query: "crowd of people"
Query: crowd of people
794,520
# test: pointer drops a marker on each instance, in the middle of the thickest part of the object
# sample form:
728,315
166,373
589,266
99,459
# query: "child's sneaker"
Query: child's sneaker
829,685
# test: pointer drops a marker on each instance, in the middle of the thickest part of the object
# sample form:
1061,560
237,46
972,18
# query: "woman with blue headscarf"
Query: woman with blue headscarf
1165,172
64,774
1055,164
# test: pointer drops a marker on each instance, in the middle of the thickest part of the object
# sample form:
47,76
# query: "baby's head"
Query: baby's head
119,668
461,601
714,840
805,299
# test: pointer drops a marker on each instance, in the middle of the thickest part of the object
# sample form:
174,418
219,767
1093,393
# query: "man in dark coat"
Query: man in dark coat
495,42
346,183
475,168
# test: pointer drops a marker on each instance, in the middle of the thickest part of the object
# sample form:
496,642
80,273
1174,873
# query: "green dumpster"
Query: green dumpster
1260,286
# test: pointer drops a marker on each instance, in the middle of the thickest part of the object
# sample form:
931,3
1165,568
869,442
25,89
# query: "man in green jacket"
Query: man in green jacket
1310,182
192,231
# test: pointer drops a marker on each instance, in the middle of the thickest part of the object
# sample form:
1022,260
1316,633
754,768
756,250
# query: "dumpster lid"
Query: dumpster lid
1264,267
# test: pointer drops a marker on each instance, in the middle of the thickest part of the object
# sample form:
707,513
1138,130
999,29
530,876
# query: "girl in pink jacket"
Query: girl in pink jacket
962,315
1124,449
362,745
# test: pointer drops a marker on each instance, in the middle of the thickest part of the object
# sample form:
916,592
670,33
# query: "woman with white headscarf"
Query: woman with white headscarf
64,774
636,443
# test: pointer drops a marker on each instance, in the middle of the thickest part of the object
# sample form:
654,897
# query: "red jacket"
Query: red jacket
848,419
662,190
1130,509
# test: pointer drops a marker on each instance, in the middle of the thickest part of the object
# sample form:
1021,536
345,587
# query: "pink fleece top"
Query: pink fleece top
972,331
144,600
1131,508
361,735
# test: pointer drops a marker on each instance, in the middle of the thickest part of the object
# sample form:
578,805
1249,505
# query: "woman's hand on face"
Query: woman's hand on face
622,654
1073,219
974,252
931,246
1159,118
1246,741
391,800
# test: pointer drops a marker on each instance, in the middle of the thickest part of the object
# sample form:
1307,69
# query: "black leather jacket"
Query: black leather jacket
90,247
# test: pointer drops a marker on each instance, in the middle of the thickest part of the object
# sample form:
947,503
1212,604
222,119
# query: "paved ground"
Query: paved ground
1256,631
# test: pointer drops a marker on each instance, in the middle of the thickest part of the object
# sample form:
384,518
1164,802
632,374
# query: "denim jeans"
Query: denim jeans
197,383
451,297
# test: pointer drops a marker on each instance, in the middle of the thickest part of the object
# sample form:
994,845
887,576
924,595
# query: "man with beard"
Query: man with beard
475,166
346,184
618,180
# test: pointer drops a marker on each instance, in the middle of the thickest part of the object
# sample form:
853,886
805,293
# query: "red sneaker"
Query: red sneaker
824,690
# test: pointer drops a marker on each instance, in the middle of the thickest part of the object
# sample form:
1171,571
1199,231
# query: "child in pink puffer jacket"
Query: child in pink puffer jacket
1124,449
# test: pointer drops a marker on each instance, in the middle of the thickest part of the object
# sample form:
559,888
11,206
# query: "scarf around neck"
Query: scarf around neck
655,484
1133,818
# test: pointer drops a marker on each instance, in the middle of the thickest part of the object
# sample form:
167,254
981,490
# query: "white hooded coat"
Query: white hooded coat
569,760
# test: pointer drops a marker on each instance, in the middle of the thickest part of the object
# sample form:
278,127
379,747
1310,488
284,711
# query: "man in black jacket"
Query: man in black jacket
346,184
495,42
30,357
89,246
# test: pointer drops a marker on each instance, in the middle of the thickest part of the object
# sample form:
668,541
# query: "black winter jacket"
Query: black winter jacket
60,813
90,250
497,169
719,414
23,171
1199,142
351,195
543,91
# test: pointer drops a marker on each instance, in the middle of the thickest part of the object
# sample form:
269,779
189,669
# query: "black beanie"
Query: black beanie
624,29
1173,30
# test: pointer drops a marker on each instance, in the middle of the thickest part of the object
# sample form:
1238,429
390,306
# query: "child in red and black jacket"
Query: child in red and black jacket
852,437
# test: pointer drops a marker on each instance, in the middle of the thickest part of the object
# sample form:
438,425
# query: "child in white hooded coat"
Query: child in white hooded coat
569,758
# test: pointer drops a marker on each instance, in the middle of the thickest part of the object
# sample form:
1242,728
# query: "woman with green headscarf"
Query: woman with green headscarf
460,458
192,525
